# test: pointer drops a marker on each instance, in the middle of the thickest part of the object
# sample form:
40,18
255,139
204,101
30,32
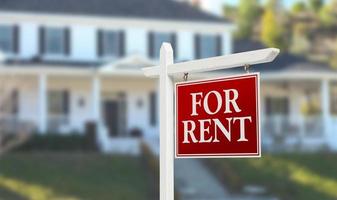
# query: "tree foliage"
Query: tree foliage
272,32
328,14
315,5
298,7
249,12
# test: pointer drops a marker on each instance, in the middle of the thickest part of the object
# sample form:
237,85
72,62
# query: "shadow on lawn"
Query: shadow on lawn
288,176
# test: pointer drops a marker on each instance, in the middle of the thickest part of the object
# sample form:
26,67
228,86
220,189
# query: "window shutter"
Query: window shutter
197,45
153,108
66,102
99,43
268,106
219,45
15,101
121,43
42,40
151,44
16,37
174,43
67,41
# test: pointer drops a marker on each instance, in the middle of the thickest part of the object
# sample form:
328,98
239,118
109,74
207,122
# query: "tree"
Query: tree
315,5
272,32
328,14
299,7
249,12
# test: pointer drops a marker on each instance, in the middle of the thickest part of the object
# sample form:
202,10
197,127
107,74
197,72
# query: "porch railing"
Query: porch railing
293,126
11,124
292,131
57,122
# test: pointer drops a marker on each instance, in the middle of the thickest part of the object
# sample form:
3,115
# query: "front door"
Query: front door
111,117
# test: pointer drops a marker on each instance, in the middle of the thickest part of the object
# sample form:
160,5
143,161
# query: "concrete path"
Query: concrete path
195,182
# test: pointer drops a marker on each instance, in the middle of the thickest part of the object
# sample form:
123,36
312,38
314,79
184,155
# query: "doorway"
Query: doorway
114,109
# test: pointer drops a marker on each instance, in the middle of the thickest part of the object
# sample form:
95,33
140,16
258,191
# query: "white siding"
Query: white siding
28,40
185,42
227,47
136,41
83,43
79,114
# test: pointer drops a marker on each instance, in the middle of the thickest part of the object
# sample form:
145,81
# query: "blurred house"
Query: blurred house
74,62
299,102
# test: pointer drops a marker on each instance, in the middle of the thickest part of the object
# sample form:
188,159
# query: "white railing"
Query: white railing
309,126
57,122
10,123
291,132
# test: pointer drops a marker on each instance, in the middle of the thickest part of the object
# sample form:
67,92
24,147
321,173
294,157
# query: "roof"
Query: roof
154,9
285,62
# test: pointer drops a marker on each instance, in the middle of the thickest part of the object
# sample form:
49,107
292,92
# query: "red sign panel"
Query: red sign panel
218,118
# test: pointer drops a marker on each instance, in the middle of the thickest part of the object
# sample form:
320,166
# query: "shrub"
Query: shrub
57,142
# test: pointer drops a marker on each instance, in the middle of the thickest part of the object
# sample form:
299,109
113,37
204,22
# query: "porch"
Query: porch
64,100
299,114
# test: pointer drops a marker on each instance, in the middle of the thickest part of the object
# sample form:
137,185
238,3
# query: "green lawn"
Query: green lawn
73,176
287,176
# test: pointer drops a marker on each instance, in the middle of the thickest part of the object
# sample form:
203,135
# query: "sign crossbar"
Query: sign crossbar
215,63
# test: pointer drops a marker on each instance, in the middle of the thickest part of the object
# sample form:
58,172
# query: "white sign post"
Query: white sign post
165,71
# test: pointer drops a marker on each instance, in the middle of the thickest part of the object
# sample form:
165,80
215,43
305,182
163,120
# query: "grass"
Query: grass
287,176
75,176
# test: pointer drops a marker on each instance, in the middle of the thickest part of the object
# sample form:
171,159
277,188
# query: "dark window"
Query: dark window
56,41
9,36
207,46
58,102
277,106
156,40
110,43
153,108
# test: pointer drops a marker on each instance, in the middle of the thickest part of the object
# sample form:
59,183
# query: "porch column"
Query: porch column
325,95
43,103
96,99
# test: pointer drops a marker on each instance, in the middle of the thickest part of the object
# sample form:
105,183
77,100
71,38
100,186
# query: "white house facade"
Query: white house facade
71,63
67,65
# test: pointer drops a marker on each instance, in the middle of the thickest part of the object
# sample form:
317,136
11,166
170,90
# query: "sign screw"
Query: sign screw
185,76
247,68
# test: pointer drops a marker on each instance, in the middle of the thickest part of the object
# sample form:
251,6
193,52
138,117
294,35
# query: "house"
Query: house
70,63
299,102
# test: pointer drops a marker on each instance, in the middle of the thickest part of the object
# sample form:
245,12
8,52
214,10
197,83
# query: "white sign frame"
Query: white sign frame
165,71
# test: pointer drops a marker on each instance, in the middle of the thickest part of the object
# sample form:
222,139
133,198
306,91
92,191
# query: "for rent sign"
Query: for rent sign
218,117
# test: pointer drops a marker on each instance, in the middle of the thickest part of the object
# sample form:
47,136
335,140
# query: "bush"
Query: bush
56,142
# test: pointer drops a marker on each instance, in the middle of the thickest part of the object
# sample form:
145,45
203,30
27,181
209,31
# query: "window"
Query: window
54,41
207,46
153,108
58,102
110,43
9,39
277,106
156,40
